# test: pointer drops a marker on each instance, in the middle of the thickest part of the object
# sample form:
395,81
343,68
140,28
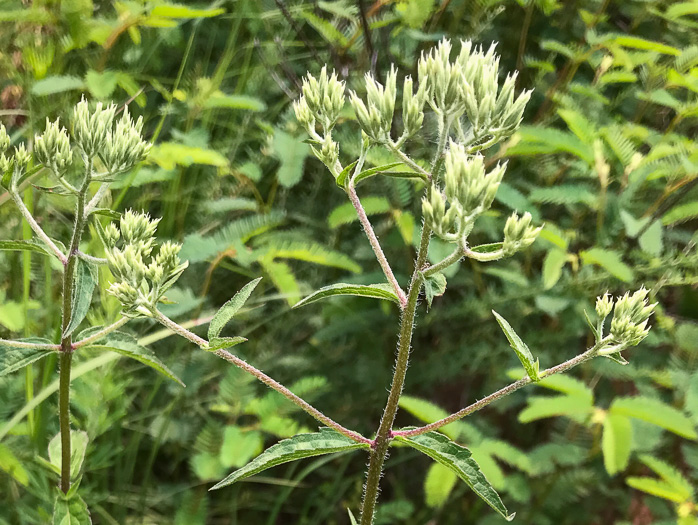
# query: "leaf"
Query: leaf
544,407
327,441
13,358
616,443
346,214
124,344
29,246
239,446
458,459
521,349
84,284
281,275
384,170
568,385
292,153
438,484
101,83
552,267
12,466
682,213
342,178
656,487
311,252
651,241
70,510
434,286
182,11
670,475
245,102
221,343
635,42
352,519
655,412
56,84
609,261
376,291
78,447
328,31
169,155
229,309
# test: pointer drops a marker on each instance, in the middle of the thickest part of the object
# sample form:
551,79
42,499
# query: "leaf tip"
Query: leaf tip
510,517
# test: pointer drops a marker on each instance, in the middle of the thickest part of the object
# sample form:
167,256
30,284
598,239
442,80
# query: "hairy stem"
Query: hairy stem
67,340
375,245
271,383
513,387
395,148
29,346
37,229
97,336
379,450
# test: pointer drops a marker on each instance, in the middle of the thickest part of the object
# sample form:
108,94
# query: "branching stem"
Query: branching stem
272,383
37,229
97,336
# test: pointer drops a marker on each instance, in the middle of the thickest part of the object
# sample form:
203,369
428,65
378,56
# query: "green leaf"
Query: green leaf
12,466
78,446
327,441
28,246
328,31
429,413
56,84
385,170
544,407
682,213
670,475
101,83
169,155
434,286
291,151
84,285
616,443
283,279
182,11
552,267
13,358
609,261
651,241
521,349
346,214
244,102
438,484
342,178
656,487
240,446
352,519
70,510
655,412
221,343
124,344
635,42
458,459
376,291
229,309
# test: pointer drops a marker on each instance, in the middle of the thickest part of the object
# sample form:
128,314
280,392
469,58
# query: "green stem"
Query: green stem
97,336
67,341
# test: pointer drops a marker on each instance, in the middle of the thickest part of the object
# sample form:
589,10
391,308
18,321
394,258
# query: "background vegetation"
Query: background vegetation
606,160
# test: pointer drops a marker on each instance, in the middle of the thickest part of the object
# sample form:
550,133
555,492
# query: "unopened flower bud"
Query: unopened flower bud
52,148
22,156
111,235
413,106
4,139
303,114
604,305
324,98
518,233
630,318
90,129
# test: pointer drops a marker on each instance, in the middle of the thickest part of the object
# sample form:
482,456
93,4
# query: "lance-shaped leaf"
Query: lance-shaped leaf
27,246
327,441
221,343
376,291
342,178
70,509
13,358
655,412
458,459
78,447
616,443
84,286
385,170
521,349
229,309
124,344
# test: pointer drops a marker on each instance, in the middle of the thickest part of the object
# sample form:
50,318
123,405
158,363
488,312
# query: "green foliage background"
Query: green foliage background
606,159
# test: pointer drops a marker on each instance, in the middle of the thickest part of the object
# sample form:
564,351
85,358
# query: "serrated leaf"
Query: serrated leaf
27,246
78,447
70,510
438,484
229,309
458,459
544,407
84,285
521,349
609,261
616,443
655,412
375,291
124,344
13,358
552,267
327,441
434,286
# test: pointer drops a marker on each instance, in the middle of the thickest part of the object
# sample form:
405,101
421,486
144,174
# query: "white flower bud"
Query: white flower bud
90,129
604,305
518,233
324,98
52,148
4,139
22,156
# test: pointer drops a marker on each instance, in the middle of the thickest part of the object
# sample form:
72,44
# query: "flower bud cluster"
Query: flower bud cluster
470,86
321,101
52,148
630,317
376,115
124,146
141,277
518,233
413,107
469,189
5,163
90,127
